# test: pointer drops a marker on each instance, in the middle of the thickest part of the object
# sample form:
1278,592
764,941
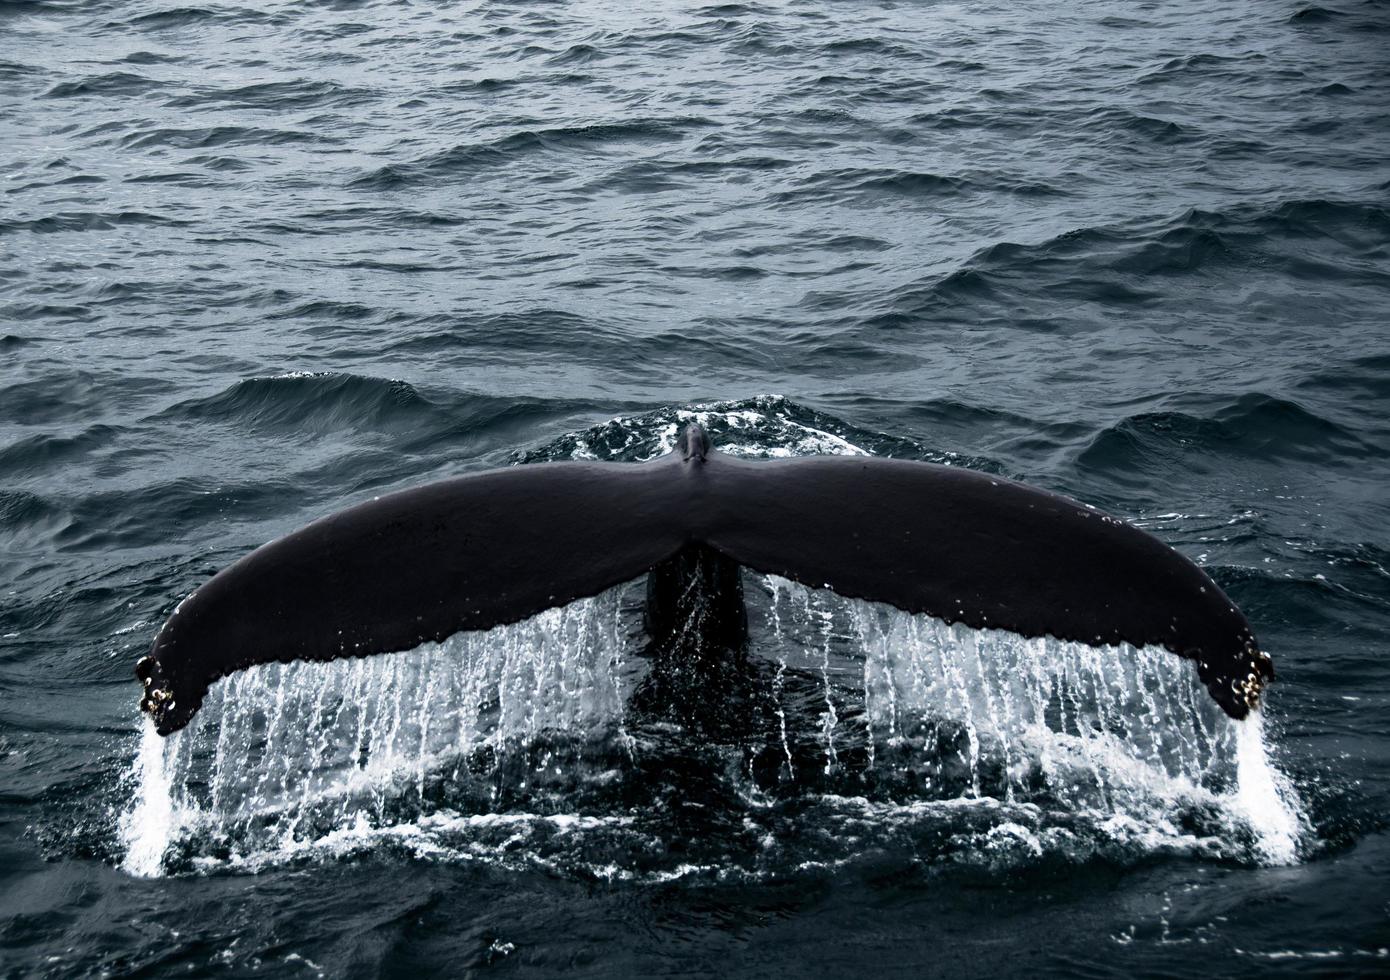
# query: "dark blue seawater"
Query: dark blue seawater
262,260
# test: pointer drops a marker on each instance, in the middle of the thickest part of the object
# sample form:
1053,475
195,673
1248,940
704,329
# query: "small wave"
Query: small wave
39,453
179,17
870,184
63,182
1361,226
852,243
1125,23
299,93
488,84
1315,15
529,329
330,310
144,517
220,164
151,58
202,137
655,176
175,17
550,333
582,53
21,508
371,217
113,84
18,8
475,158
1112,122
1363,381
1116,265
994,119
1177,251
48,400
1190,68
875,47
187,179
313,403
1254,425
10,70
1282,600
731,10
88,221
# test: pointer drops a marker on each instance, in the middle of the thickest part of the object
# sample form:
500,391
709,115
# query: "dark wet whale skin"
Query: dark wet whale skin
493,548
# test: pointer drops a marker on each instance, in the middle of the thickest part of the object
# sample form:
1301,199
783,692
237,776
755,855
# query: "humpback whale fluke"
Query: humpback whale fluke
479,551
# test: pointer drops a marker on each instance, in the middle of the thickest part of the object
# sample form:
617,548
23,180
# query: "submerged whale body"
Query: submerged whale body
497,547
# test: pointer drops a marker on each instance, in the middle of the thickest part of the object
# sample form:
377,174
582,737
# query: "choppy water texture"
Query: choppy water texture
263,260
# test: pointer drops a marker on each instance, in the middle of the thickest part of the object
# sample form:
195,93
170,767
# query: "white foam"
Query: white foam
1125,735
147,828
761,427
1265,796
1033,745
290,753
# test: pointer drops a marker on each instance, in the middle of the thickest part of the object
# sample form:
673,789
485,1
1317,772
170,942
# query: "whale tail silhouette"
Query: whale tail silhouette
487,549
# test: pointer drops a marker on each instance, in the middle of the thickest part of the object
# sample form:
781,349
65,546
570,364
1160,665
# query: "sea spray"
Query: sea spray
516,746
1266,796
148,827
282,753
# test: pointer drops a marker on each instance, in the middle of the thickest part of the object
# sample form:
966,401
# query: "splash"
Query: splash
765,426
884,732
148,827
1123,739
285,753
876,732
1266,797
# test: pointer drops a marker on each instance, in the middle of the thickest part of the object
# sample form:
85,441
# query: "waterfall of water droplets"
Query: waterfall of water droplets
285,754
912,712
1125,735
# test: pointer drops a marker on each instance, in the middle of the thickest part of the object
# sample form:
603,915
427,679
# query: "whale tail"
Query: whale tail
497,547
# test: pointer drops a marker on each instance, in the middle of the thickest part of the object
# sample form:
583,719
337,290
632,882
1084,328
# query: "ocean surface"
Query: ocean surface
259,261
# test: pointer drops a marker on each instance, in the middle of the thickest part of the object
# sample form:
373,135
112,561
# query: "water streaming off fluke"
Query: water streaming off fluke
869,729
